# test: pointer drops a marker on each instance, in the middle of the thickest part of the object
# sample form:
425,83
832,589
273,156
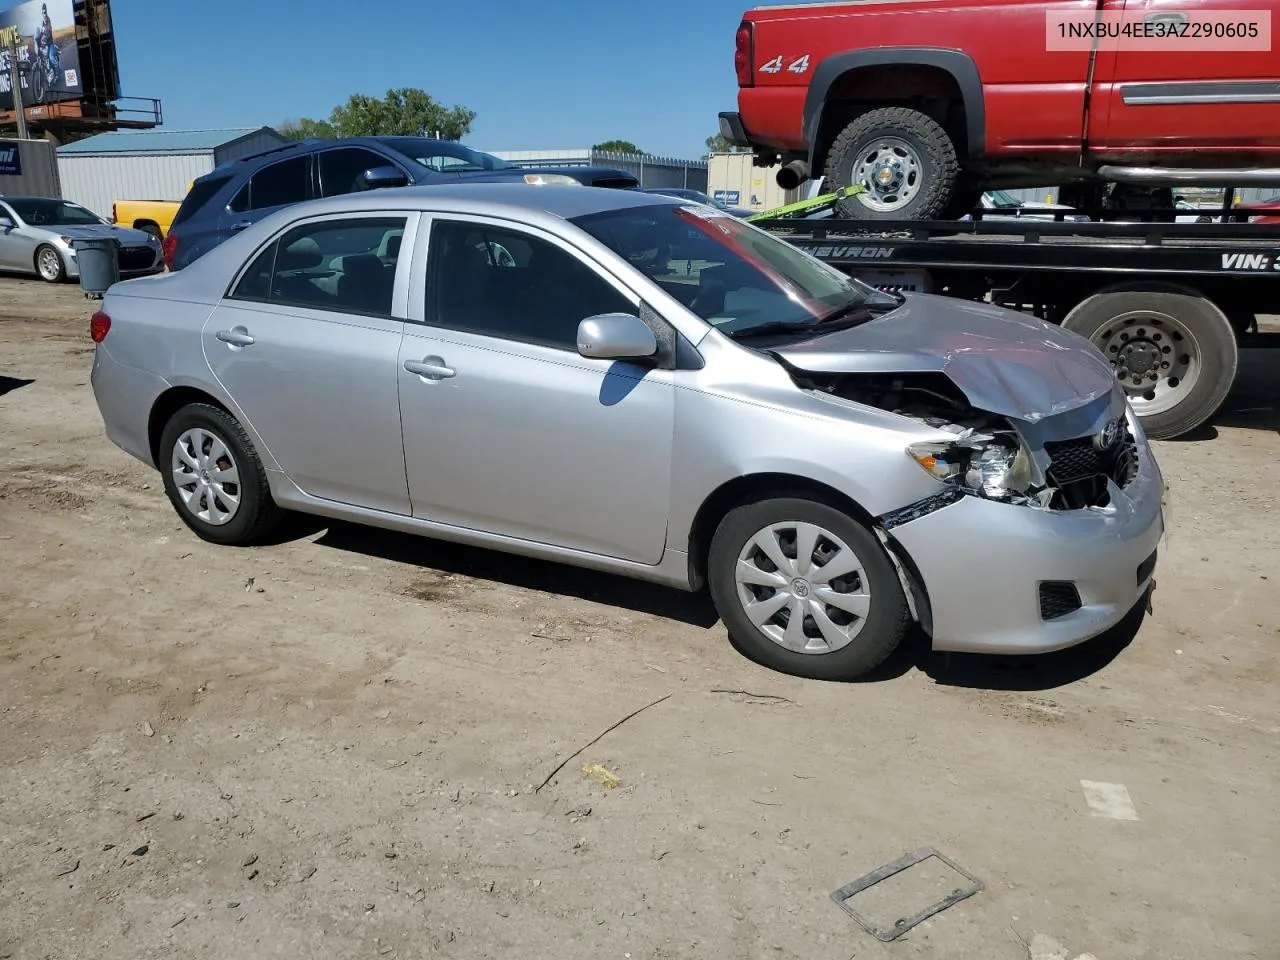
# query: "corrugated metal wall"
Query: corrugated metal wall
649,170
39,177
247,147
97,182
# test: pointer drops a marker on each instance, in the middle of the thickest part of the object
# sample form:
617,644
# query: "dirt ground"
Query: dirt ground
329,746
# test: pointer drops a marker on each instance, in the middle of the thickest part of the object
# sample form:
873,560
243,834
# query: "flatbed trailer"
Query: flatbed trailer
1169,304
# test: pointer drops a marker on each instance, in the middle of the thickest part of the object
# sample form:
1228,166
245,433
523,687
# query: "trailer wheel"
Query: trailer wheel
904,161
1173,350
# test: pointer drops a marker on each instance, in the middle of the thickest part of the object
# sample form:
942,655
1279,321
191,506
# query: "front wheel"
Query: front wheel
214,478
903,160
1174,352
50,265
805,589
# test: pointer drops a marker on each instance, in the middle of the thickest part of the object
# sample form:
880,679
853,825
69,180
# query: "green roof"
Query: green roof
160,141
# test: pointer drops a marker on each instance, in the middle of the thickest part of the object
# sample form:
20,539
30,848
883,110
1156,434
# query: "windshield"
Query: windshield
444,156
40,212
734,276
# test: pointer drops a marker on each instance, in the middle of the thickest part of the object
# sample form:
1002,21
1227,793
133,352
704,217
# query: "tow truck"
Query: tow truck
1169,304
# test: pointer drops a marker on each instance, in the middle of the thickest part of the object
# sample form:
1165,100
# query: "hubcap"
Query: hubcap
49,264
803,587
889,170
206,476
1154,357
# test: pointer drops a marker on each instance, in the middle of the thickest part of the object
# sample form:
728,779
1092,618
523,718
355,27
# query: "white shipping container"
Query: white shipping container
736,181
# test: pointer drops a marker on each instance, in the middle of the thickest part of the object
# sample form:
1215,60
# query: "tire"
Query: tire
1188,333
933,154
255,513
875,634
150,228
49,264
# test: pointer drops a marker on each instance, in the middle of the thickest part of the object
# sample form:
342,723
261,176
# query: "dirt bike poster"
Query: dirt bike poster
48,56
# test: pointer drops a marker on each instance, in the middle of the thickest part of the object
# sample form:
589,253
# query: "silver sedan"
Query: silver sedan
38,235
657,389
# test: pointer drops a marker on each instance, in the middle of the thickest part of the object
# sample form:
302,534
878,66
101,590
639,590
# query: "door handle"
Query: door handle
242,225
1166,16
235,337
430,368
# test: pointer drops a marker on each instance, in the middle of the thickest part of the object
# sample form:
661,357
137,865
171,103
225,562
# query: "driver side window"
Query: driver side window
502,283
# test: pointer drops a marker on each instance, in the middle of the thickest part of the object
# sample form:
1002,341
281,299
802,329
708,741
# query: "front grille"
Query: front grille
1058,598
1080,469
136,258
1146,568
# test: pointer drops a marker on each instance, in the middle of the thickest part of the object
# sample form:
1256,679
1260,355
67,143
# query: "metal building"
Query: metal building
650,171
28,169
150,164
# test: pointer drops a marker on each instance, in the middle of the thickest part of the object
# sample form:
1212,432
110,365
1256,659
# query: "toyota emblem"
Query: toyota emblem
1110,435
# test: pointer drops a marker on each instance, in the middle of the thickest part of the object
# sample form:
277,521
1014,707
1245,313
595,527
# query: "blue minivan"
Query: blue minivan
242,192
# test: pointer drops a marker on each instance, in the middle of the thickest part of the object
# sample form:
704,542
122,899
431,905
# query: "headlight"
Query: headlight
543,179
997,468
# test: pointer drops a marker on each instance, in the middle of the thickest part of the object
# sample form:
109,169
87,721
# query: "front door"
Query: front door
507,429
1219,92
306,346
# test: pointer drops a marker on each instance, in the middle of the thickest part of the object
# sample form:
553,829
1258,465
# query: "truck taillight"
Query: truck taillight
744,54
170,247
99,326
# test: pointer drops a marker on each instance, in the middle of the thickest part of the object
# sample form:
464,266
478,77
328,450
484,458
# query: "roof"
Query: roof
511,200
161,141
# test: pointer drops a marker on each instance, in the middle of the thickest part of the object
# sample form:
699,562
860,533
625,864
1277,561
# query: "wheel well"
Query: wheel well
931,90
752,489
139,224
166,405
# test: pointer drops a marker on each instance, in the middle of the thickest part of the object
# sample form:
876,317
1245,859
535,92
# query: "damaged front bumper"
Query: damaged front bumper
992,577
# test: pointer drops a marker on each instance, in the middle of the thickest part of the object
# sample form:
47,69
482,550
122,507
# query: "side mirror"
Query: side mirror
378,178
6,222
616,336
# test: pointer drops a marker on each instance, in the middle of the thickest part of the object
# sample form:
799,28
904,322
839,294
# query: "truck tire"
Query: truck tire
1173,350
146,226
902,158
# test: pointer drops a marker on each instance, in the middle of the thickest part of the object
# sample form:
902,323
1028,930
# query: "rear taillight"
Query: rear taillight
744,54
170,247
99,326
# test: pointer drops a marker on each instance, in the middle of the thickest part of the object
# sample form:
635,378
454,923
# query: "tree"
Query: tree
716,143
407,112
306,129
617,146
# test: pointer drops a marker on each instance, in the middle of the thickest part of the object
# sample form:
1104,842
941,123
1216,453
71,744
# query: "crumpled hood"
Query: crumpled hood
1006,363
91,231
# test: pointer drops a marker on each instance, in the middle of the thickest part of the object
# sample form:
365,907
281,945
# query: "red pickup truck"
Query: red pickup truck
926,103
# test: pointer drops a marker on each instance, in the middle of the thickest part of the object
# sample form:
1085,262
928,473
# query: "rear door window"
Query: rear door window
276,185
345,266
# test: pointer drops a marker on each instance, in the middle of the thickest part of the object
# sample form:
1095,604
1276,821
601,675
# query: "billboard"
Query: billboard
48,52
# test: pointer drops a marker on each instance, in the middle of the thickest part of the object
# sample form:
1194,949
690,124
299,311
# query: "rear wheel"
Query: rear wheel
805,589
903,160
214,477
1174,352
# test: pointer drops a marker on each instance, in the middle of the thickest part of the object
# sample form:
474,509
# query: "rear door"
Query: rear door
306,346
1220,93
275,186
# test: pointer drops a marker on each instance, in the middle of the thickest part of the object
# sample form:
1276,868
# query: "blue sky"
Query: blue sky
564,73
